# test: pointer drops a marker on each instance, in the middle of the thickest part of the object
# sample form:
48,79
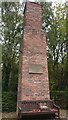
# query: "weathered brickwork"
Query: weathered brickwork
33,86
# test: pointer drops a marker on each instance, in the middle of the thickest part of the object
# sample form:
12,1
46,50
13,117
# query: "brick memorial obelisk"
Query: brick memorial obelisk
33,81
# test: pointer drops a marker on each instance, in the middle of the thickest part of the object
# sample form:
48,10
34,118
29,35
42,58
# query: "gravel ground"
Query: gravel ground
9,115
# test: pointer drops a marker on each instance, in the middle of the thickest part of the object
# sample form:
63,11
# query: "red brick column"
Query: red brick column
33,86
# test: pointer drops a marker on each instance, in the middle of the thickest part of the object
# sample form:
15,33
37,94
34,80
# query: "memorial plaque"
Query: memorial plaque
35,68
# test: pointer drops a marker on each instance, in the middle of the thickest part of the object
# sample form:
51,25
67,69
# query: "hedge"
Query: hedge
60,98
9,101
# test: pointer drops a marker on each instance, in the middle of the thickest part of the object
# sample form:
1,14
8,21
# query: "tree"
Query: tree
12,29
54,22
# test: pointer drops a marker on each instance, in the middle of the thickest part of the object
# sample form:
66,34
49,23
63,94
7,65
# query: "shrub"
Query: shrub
9,101
60,98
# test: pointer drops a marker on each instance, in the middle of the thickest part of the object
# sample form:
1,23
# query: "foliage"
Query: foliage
55,22
60,98
56,45
12,26
9,101
47,15
11,35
